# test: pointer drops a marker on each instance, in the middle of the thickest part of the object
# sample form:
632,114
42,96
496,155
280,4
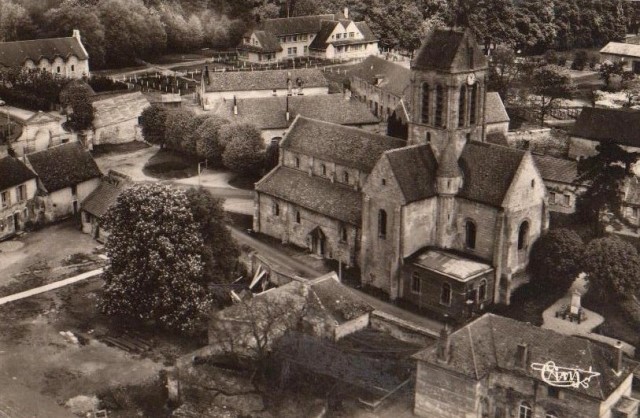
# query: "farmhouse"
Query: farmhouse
562,181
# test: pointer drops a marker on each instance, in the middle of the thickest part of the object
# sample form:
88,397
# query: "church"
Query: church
445,221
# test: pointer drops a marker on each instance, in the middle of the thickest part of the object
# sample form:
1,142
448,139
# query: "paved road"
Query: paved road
308,272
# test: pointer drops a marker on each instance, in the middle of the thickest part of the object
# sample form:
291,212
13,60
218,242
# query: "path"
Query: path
50,286
288,261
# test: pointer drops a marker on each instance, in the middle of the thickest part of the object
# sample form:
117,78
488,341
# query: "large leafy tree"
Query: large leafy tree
550,83
244,148
155,268
396,23
153,121
208,144
76,96
555,257
613,268
605,172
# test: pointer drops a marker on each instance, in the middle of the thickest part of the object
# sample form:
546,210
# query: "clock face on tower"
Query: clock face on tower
471,79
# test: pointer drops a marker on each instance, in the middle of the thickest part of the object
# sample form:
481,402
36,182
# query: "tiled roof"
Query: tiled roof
495,111
344,145
490,343
270,112
268,43
557,169
13,172
264,80
14,54
119,108
395,77
488,171
621,126
64,166
294,25
321,41
621,48
443,50
414,169
337,300
317,194
103,197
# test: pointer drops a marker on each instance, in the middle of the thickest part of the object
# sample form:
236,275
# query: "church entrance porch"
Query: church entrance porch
318,242
447,284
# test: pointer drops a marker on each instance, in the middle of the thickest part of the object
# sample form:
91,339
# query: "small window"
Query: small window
553,392
482,291
428,137
524,411
276,209
533,183
73,67
470,232
21,193
297,161
415,282
6,200
634,212
323,169
343,234
58,69
382,223
425,103
523,236
345,177
297,216
445,294
567,200
552,198
383,182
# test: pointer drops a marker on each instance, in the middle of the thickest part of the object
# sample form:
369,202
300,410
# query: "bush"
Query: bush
551,57
580,60
613,267
101,83
555,257
244,149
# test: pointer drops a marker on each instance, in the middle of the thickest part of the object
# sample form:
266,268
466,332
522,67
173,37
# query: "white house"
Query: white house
627,54
18,189
35,131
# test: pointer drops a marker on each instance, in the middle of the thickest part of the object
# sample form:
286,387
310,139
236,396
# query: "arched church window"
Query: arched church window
473,106
425,103
276,209
382,223
445,294
470,232
523,235
439,106
297,216
462,107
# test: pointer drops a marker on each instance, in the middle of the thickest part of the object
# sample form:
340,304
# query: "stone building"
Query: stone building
313,198
34,131
116,118
502,368
18,188
626,53
451,203
66,57
562,181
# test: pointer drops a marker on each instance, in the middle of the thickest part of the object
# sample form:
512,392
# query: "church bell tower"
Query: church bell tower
448,90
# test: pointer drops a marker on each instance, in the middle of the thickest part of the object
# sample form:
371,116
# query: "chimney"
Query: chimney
235,106
346,13
522,355
287,114
617,360
76,34
444,345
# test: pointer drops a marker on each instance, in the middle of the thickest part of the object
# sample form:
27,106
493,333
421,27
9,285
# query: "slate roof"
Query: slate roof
64,166
557,169
395,77
320,41
336,300
14,54
317,194
460,268
443,51
264,80
294,25
495,111
268,43
490,344
270,112
13,172
344,145
118,109
414,169
621,48
621,126
488,171
103,197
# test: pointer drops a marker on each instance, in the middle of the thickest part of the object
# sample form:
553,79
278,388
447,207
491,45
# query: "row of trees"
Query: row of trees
236,146
170,254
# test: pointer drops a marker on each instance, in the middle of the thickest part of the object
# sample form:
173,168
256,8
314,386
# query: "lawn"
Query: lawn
127,147
169,165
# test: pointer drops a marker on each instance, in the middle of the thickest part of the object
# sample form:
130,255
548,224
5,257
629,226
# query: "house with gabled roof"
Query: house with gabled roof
323,36
563,183
67,174
66,57
500,367
226,85
313,198
628,54
274,115
96,205
18,188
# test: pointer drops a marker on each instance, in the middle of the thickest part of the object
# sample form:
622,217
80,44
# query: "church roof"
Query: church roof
490,343
394,77
414,169
448,166
444,50
14,54
264,80
344,145
488,171
495,112
317,194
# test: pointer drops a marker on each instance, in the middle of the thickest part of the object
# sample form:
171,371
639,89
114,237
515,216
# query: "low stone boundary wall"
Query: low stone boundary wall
401,329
